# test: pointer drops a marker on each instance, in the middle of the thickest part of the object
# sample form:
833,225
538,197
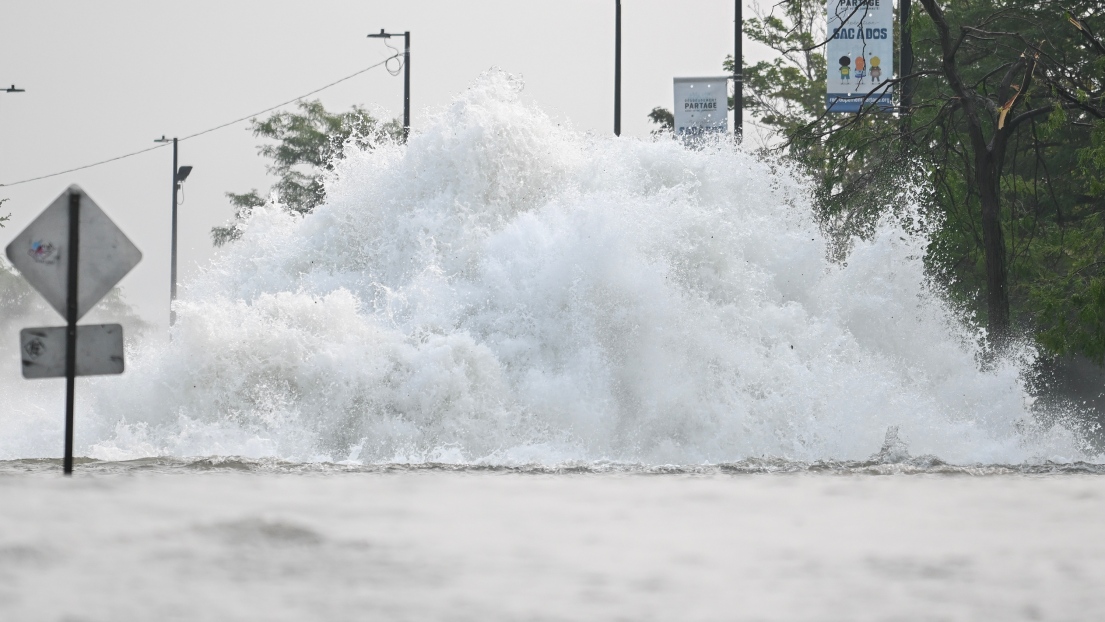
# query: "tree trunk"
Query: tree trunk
988,162
987,176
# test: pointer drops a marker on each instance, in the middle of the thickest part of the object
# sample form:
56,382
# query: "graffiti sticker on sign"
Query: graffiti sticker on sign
43,252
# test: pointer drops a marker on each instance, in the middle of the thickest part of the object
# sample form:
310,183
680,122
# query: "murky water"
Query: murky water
171,540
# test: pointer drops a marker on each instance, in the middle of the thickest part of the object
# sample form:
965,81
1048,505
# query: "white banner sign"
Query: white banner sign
859,55
701,105
99,350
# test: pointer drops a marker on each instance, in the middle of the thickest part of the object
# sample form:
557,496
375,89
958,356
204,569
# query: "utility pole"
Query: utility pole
906,68
406,76
738,74
179,175
617,67
406,85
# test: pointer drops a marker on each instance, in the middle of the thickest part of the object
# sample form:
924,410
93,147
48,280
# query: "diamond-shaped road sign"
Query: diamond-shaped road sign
99,351
40,253
72,254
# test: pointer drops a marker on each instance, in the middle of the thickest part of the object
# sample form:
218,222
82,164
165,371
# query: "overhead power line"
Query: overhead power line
201,133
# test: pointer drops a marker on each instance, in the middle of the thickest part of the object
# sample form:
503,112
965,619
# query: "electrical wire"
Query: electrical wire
80,168
207,131
398,54
290,101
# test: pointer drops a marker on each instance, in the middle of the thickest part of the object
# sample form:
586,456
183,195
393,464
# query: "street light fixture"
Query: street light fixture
406,76
179,175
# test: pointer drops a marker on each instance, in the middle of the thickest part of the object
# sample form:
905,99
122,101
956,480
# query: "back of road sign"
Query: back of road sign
40,253
99,351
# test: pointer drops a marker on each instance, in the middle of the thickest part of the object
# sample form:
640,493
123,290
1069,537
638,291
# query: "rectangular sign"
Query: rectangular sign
99,351
859,55
701,106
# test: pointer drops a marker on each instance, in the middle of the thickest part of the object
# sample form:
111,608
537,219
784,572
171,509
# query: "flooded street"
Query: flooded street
487,545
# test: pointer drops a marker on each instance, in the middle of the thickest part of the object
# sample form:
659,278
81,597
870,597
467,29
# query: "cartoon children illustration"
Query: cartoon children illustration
861,65
845,69
876,71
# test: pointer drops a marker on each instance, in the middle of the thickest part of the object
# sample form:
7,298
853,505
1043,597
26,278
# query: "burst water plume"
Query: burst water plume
506,290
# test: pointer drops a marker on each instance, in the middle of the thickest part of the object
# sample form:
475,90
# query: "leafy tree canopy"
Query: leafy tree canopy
1006,129
663,118
307,143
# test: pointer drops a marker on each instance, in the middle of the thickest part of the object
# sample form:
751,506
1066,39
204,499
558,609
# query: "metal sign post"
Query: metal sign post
71,324
617,67
738,73
72,254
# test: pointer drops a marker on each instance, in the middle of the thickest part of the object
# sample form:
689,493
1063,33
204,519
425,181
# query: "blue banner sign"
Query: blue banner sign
859,55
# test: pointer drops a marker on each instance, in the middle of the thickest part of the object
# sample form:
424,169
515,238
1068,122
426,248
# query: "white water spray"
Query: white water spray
503,290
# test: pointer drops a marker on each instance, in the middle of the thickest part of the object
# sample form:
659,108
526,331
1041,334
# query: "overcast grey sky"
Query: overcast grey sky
106,78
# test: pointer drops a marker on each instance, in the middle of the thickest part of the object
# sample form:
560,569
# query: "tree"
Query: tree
788,91
1005,95
1016,91
787,94
663,118
308,144
847,156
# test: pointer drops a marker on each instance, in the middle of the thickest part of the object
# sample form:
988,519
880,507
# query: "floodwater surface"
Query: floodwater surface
241,542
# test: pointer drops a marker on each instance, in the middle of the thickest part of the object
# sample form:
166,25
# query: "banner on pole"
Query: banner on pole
859,55
701,106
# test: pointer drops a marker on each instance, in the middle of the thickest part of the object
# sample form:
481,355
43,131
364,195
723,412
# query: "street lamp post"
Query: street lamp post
906,56
738,74
406,76
617,67
179,175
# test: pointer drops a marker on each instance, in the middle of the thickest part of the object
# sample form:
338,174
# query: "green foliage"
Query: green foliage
1072,300
1091,159
4,219
851,158
1052,165
307,144
787,91
664,119
244,205
1053,237
1052,228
